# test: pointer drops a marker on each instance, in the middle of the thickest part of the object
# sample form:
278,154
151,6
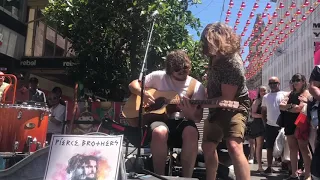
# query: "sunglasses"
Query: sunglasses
180,69
295,80
273,83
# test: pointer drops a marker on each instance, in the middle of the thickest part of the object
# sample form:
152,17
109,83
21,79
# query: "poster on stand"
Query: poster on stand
84,157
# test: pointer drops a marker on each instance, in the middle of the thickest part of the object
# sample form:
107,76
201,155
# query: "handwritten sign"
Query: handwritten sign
84,157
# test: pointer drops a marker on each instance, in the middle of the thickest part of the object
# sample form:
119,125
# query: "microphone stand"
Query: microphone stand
142,75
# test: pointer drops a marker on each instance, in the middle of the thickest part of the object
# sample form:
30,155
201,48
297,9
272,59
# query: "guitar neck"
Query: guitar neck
197,102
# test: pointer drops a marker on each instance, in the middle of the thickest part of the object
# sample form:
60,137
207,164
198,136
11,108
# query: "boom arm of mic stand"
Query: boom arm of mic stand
142,80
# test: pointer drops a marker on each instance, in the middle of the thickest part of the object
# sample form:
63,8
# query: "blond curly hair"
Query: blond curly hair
219,39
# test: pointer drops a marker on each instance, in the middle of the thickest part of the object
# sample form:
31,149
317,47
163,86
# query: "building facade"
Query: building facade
296,53
256,81
47,55
13,30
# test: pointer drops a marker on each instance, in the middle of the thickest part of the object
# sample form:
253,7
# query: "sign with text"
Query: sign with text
46,62
84,157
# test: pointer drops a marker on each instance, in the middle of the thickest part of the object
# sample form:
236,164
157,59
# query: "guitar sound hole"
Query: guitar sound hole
158,104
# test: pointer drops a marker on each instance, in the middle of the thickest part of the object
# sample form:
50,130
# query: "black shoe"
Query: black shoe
269,170
292,178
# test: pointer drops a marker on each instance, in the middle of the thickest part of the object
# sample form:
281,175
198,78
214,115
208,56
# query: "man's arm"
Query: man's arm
264,109
314,89
135,87
200,94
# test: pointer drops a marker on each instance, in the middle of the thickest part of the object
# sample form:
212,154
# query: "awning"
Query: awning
50,68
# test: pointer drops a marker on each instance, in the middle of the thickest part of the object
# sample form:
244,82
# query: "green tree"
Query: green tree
110,37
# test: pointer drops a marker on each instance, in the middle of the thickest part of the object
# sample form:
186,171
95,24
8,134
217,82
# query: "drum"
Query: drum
23,127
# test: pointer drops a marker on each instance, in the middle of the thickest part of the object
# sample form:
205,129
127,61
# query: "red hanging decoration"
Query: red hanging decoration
287,14
293,19
270,22
281,32
268,6
276,28
311,10
298,12
235,28
275,15
245,29
277,37
304,17
227,20
286,36
259,22
228,12
239,14
271,34
256,30
266,29
255,6
281,5
287,26
248,22
297,24
243,5
291,30
306,3
231,3
281,21
242,34
237,21
293,5
264,15
267,38
251,15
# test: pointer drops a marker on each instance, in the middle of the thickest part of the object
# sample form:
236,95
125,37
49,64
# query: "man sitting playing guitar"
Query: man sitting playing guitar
178,129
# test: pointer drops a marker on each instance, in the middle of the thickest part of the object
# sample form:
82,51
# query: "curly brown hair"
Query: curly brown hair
177,60
219,39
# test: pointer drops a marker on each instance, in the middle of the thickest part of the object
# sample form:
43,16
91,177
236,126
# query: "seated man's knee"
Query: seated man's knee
160,134
235,146
190,134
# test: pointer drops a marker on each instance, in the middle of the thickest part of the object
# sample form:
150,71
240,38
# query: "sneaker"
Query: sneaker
269,170
250,161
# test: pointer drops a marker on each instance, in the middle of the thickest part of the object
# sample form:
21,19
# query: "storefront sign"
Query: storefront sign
44,62
316,39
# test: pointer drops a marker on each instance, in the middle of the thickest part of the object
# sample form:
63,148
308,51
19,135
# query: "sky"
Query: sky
210,11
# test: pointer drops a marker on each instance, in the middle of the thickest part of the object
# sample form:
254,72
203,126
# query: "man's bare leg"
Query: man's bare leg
189,150
239,160
159,149
211,159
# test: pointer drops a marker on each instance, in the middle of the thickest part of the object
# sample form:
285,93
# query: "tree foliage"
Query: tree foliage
110,37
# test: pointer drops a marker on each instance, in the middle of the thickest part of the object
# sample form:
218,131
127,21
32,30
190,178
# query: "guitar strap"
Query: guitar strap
191,88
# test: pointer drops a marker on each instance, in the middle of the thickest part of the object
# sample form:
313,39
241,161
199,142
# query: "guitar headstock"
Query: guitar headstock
230,105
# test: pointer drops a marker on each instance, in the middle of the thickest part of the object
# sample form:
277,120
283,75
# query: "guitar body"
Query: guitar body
131,108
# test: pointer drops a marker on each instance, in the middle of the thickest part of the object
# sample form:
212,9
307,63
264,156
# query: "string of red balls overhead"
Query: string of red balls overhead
259,62
286,25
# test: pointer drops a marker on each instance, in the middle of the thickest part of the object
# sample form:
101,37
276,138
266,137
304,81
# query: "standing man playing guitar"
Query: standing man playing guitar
226,80
176,129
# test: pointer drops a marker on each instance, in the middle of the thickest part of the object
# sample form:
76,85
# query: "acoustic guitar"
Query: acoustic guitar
165,98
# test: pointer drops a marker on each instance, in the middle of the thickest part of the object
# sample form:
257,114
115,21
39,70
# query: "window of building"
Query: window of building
12,7
50,51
